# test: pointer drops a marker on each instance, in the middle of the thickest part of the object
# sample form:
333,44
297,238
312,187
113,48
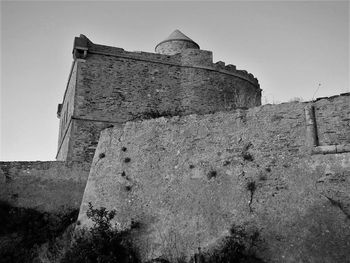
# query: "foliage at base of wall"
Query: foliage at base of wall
24,231
105,243
27,235
102,243
240,246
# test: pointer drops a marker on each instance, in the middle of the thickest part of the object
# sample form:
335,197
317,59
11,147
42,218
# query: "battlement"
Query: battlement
189,57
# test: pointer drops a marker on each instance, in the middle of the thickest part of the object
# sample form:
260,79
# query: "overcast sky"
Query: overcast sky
290,46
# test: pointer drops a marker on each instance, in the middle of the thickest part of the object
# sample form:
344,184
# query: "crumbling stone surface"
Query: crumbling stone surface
45,186
185,180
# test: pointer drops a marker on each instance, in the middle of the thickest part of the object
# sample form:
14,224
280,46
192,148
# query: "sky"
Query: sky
290,46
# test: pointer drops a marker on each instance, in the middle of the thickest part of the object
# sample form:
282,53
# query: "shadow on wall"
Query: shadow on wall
321,235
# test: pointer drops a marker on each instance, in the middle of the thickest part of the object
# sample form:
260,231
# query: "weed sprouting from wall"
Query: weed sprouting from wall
247,156
211,174
251,187
226,163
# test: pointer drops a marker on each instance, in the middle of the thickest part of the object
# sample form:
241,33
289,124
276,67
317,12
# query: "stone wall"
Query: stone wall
119,89
185,181
86,134
174,46
44,186
115,86
65,115
333,120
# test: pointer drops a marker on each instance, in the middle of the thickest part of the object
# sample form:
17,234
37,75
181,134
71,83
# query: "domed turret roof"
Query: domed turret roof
177,35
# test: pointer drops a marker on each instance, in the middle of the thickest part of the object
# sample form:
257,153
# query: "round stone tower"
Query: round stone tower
175,43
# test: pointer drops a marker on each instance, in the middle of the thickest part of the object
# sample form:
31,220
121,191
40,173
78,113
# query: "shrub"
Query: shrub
24,230
238,247
102,243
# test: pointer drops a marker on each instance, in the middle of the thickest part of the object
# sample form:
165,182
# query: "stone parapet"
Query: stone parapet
50,186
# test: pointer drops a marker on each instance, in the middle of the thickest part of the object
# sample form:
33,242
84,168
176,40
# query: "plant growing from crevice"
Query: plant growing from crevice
211,174
247,156
226,163
251,187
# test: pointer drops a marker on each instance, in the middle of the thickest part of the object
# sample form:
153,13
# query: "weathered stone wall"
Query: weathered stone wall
185,181
66,114
45,186
121,89
175,46
85,138
115,86
333,120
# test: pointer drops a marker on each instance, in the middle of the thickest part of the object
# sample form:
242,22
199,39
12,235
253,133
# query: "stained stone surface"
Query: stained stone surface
184,181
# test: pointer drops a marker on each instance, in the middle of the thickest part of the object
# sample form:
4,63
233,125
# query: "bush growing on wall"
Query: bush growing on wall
238,247
102,243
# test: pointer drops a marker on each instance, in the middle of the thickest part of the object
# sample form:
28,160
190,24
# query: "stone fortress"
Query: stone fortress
110,86
171,140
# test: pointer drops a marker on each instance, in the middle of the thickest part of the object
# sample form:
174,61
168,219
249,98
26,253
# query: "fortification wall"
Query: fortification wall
111,86
185,181
333,120
122,89
86,135
115,86
65,115
44,186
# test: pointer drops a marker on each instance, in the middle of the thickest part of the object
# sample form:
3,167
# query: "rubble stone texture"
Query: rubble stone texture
44,186
109,86
183,142
184,180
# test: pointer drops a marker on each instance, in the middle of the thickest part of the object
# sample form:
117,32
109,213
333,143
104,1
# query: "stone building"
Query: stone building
110,86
